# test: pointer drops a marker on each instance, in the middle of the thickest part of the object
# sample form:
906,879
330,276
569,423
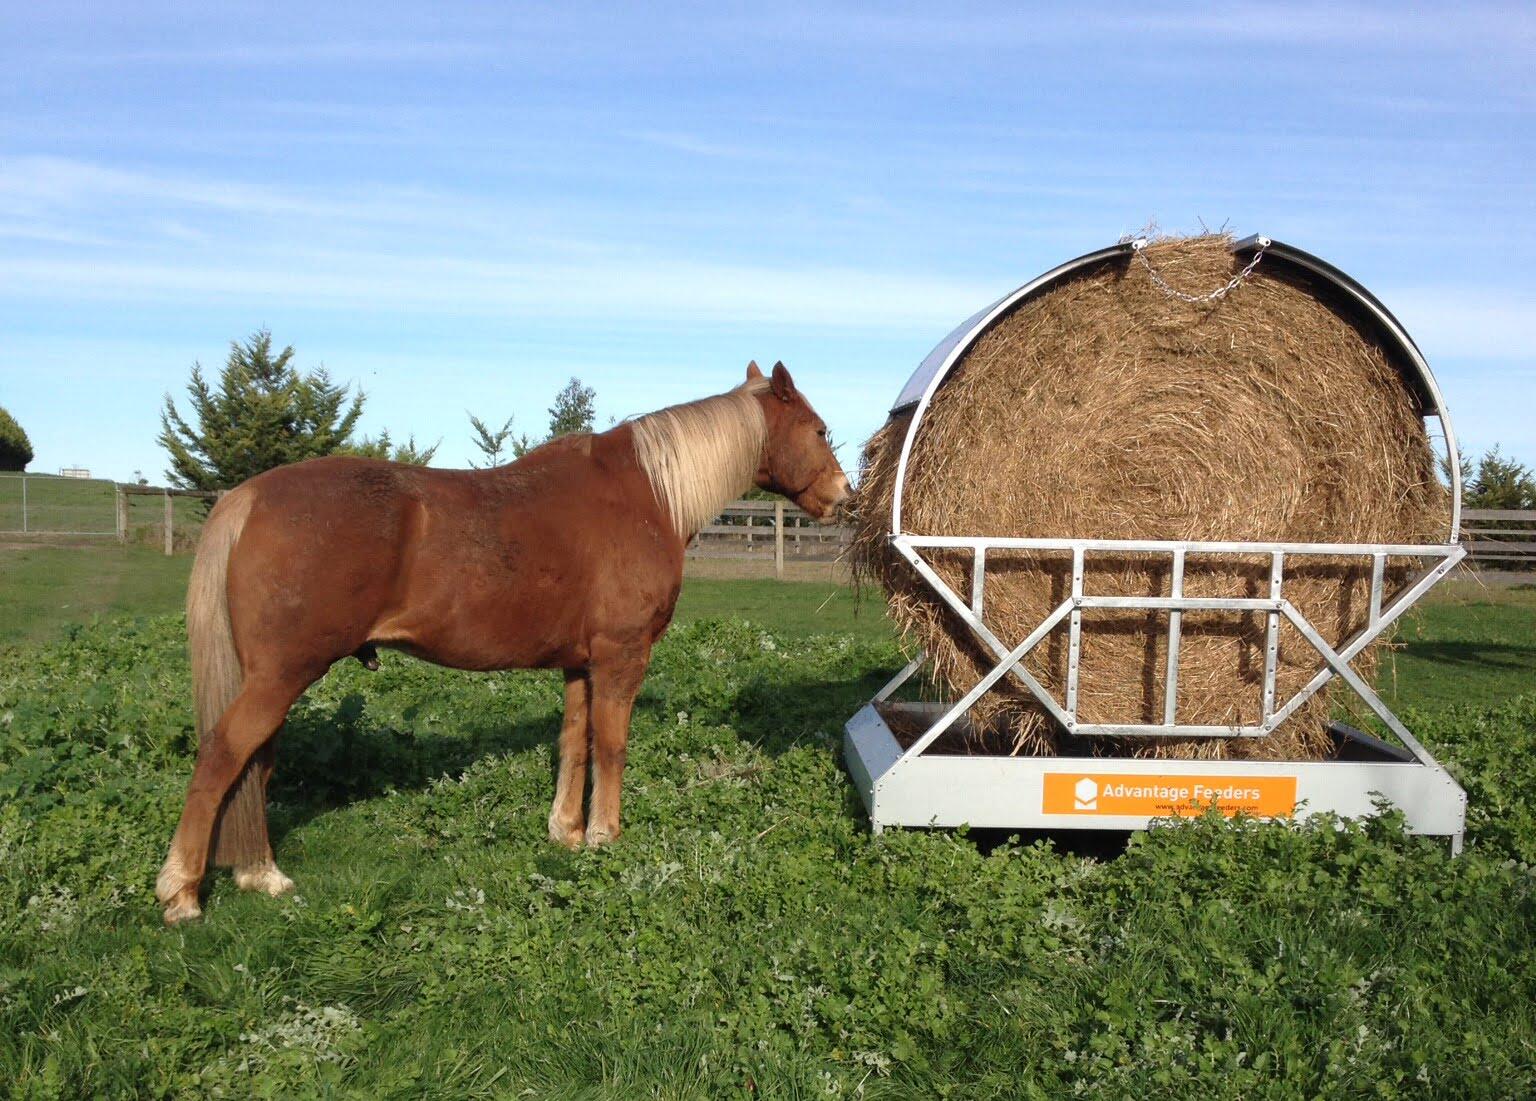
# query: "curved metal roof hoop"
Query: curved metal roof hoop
1366,308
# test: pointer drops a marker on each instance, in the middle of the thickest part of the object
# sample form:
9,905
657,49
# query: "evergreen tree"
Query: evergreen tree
263,414
1464,464
1501,483
15,448
498,446
573,411
385,448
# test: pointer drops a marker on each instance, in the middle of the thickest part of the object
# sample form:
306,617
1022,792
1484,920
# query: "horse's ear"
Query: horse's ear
783,386
754,371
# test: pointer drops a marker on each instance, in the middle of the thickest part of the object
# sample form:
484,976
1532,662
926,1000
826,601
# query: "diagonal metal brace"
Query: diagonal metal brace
984,633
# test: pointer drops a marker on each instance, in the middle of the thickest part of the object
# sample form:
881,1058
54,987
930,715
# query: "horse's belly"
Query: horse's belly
475,655
489,626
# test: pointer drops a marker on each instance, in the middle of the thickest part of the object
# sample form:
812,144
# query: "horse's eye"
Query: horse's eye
822,432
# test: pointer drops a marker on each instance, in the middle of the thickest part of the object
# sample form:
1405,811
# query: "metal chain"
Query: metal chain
1140,247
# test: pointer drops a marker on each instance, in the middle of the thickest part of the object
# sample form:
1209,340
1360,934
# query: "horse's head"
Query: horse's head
797,460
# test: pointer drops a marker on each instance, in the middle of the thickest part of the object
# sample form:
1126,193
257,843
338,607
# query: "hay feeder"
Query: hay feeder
912,781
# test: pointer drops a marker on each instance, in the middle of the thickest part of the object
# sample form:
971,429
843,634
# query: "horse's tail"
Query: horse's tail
240,836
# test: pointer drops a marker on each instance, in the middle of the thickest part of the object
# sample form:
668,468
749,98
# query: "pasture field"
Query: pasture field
85,510
57,504
1469,641
43,590
747,936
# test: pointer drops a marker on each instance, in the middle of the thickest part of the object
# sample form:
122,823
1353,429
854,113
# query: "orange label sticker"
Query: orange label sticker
1123,793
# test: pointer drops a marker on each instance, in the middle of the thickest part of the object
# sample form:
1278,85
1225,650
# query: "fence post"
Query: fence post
23,503
121,501
778,538
168,532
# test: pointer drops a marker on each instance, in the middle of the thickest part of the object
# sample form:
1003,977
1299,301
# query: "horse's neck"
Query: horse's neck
699,457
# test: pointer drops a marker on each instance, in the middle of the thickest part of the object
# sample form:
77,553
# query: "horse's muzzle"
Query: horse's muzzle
839,497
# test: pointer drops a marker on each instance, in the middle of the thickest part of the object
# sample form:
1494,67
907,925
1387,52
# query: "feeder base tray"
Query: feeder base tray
1108,793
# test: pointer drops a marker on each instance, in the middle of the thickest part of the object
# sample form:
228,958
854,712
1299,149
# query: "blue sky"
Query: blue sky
458,207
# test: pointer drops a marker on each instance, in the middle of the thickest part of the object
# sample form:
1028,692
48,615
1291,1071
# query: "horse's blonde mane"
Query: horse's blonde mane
702,454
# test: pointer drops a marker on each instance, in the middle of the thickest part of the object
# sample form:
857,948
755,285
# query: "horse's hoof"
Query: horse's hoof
602,835
264,878
571,837
181,909
173,882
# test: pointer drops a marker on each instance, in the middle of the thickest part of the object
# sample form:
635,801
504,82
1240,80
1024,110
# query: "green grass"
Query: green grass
1469,645
58,504
747,937
45,589
794,608
1464,644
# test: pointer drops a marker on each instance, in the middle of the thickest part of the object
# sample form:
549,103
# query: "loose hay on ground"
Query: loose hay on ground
1106,409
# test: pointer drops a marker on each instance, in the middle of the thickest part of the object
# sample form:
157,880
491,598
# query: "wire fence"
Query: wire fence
40,504
44,507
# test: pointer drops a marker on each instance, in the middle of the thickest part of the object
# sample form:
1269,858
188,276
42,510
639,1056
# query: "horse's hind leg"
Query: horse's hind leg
257,871
567,825
250,723
616,675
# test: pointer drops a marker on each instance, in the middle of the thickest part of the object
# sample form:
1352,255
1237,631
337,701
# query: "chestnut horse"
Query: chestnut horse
569,558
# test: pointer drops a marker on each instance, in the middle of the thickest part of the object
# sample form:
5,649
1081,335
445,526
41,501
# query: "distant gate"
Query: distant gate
1500,536
764,530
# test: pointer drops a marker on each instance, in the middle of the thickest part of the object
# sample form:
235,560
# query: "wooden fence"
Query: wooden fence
764,530
777,531
758,530
1503,537
168,521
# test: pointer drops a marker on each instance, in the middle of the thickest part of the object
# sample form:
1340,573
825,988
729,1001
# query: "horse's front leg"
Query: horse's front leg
567,826
615,675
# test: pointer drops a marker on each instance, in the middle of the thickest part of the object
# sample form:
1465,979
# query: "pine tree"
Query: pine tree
15,448
1501,483
1464,465
573,411
497,445
263,414
385,448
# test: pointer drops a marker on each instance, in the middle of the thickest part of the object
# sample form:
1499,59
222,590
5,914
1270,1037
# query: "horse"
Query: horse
569,558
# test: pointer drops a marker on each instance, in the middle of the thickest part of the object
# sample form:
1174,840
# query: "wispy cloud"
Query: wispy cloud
270,53
704,147
31,183
654,290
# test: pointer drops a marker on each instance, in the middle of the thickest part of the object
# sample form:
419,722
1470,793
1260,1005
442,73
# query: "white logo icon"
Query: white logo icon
1085,795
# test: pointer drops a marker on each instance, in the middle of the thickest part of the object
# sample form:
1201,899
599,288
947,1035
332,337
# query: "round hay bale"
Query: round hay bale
1104,408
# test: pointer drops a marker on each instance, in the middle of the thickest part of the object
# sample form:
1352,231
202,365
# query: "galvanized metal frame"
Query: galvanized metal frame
1275,607
877,760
